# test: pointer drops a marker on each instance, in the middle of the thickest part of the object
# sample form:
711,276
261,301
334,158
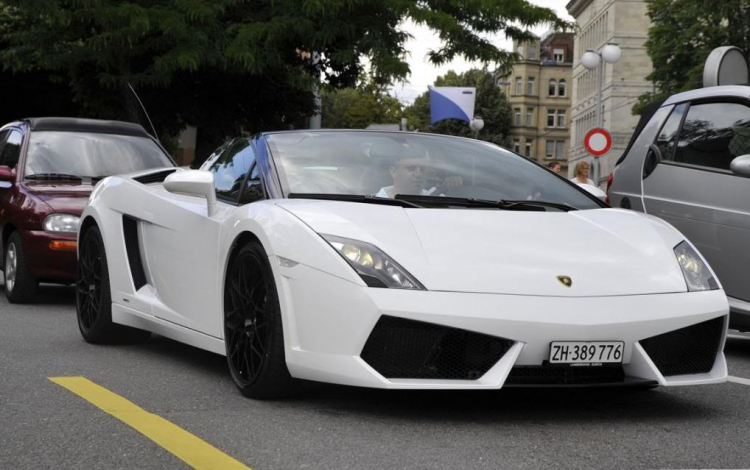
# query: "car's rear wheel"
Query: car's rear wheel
93,296
252,326
20,282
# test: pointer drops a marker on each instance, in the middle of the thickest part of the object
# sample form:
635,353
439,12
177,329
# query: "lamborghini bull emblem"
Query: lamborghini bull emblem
565,280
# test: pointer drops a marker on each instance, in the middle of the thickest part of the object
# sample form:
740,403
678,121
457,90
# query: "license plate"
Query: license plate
579,352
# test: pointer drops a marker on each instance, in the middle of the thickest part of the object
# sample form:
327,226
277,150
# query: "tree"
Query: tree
682,35
356,108
237,65
491,104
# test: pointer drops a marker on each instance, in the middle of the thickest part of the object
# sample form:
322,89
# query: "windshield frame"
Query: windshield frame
21,168
286,190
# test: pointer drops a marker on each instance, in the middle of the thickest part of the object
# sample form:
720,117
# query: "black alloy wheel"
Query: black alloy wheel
89,283
252,326
93,296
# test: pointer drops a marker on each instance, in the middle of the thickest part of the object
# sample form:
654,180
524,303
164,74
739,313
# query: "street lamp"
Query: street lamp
592,59
476,125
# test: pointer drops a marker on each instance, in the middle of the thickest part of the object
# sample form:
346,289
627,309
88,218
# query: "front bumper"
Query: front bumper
326,334
47,264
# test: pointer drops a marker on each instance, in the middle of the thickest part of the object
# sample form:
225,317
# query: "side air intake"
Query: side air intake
130,232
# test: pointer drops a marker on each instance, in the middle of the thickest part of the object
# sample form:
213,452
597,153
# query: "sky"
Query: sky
424,74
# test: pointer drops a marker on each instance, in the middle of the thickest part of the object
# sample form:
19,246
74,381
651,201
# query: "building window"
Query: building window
561,88
532,52
529,116
517,117
528,148
561,118
519,50
517,145
530,86
559,55
555,149
519,86
550,152
552,87
550,118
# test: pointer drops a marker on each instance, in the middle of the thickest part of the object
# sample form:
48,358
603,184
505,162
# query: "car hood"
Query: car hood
68,198
606,252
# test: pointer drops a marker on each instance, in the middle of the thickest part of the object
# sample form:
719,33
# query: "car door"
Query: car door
10,151
182,243
689,184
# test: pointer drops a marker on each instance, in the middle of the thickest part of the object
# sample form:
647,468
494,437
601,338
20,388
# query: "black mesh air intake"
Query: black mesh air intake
563,375
400,348
689,350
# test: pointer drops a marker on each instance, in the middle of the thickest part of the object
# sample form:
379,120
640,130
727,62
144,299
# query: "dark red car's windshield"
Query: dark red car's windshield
91,155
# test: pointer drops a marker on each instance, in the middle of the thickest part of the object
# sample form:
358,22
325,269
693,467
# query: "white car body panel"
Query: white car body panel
493,272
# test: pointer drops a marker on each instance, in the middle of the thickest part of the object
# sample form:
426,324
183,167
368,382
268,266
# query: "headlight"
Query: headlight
697,275
62,223
374,267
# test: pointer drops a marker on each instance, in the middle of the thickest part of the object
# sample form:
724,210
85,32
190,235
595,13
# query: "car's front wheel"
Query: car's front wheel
93,296
20,282
252,326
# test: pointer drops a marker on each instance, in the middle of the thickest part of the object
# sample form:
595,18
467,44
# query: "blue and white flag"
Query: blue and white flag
447,102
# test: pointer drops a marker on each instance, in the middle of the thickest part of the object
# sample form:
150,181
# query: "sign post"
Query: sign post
598,142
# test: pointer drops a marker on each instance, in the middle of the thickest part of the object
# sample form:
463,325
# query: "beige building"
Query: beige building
538,88
621,22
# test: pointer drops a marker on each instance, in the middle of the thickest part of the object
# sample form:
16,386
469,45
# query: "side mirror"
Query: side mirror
198,183
596,192
741,166
6,174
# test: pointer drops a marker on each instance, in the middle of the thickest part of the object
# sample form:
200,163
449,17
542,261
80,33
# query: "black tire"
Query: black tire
253,331
93,296
20,283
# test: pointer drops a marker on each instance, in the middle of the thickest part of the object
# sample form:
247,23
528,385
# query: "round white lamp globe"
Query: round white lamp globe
590,59
476,124
611,53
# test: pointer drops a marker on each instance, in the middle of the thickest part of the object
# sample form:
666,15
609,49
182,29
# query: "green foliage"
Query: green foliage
491,104
683,33
237,65
356,108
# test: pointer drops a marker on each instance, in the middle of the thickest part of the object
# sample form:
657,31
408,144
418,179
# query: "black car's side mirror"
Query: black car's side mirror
741,166
653,156
6,174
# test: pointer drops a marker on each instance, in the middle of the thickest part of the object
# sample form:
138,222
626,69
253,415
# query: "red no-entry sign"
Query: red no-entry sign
597,141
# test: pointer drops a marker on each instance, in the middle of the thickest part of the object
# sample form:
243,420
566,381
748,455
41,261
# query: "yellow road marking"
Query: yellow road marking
194,451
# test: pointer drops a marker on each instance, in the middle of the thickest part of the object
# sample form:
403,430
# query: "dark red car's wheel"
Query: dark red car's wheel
20,282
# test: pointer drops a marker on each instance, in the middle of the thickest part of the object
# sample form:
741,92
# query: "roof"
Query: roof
733,91
86,125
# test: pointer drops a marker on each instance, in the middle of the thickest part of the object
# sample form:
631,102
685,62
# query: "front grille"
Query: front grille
400,348
564,375
689,350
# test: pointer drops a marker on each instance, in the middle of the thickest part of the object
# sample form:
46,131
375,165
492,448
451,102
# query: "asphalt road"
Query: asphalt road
43,425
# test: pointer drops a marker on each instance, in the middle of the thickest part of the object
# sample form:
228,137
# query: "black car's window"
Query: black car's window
230,169
713,135
666,141
92,155
12,149
253,187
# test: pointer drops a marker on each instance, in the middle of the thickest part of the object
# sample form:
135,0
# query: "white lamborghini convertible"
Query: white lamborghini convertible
396,260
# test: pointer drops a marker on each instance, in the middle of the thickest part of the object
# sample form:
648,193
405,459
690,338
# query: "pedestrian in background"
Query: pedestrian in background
555,166
581,173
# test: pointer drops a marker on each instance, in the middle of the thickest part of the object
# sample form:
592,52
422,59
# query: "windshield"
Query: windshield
388,164
91,155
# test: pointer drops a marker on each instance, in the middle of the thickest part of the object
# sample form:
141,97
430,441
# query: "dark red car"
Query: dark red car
48,168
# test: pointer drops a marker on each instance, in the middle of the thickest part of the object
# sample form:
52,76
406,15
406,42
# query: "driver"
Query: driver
409,174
